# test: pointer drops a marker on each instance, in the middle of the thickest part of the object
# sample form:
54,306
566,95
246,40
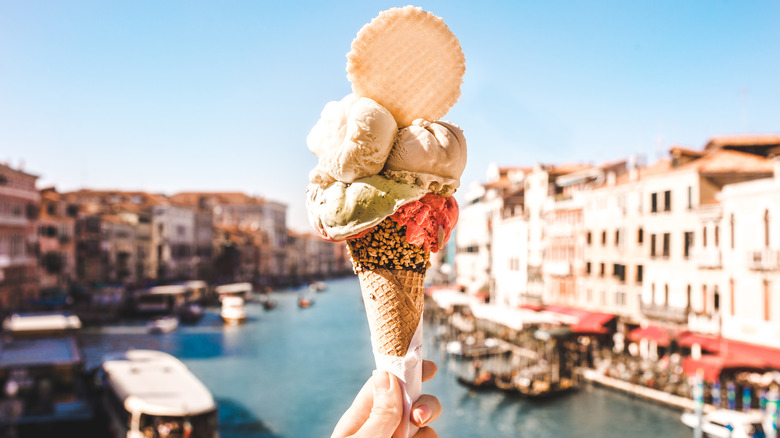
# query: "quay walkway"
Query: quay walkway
655,395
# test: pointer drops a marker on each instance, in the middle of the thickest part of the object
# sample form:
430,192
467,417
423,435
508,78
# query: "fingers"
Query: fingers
425,410
386,413
357,414
428,370
426,432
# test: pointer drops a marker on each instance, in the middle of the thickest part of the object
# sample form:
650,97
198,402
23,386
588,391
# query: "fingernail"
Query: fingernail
422,414
381,381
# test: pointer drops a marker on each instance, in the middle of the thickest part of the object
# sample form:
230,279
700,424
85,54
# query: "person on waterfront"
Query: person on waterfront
378,407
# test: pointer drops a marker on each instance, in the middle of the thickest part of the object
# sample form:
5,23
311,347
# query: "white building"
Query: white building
173,235
750,283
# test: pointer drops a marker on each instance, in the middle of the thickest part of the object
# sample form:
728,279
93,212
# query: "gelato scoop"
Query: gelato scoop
432,154
352,140
345,210
429,221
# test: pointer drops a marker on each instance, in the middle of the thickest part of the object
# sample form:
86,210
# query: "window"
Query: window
668,200
716,299
652,245
639,269
617,237
704,236
603,238
766,228
640,236
717,236
704,298
652,294
589,238
767,301
688,298
690,197
587,267
602,269
731,296
731,231
654,203
666,295
667,237
619,272
688,238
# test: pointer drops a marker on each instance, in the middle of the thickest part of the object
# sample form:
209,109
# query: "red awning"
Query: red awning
710,344
534,307
652,332
585,322
712,365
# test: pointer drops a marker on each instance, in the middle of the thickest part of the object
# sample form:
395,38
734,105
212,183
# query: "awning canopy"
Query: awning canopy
652,332
515,319
581,321
712,365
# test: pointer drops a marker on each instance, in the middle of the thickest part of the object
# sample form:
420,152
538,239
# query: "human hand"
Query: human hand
378,408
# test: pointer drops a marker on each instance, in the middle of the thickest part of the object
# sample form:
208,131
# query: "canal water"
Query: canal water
291,372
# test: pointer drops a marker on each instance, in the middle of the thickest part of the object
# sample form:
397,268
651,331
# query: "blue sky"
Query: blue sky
170,96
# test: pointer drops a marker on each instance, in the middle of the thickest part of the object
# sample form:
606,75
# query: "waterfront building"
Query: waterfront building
474,236
614,243
750,248
19,206
118,250
56,241
173,234
238,253
232,208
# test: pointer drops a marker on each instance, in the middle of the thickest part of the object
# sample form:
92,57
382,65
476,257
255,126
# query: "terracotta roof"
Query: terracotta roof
723,141
193,198
731,161
566,168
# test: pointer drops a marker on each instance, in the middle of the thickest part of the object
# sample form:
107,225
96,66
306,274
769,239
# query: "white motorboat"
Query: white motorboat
165,324
151,393
233,310
727,423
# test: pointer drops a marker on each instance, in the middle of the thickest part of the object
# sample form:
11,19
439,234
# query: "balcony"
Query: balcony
665,313
707,258
558,268
765,259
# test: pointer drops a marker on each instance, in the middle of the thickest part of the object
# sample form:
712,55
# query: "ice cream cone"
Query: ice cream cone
391,273
394,305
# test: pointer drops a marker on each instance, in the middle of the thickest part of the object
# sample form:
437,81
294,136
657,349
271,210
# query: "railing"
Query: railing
707,258
560,269
664,313
764,260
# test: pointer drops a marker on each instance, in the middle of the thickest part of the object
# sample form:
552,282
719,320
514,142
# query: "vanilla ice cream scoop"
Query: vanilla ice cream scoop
430,154
352,140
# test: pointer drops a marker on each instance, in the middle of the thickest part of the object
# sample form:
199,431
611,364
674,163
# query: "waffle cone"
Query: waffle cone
394,305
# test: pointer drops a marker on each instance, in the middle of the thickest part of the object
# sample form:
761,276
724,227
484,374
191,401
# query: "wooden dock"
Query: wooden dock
642,391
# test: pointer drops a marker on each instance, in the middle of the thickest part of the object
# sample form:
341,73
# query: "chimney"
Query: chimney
633,167
611,178
776,162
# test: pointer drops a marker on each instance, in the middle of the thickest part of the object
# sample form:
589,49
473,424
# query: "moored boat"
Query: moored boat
151,393
166,324
727,423
233,310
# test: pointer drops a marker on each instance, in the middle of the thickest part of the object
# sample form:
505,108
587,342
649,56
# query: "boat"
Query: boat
148,393
44,377
727,423
163,325
190,313
243,290
267,303
317,286
304,303
233,310
160,300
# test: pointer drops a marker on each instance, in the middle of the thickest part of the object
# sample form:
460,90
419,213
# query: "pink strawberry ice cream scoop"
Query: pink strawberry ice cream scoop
429,221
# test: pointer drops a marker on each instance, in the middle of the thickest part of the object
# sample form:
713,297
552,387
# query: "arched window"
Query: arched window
766,228
731,231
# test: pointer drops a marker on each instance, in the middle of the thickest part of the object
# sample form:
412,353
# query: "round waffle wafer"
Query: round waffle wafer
408,61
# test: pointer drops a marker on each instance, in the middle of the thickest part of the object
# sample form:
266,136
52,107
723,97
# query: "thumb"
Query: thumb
387,409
